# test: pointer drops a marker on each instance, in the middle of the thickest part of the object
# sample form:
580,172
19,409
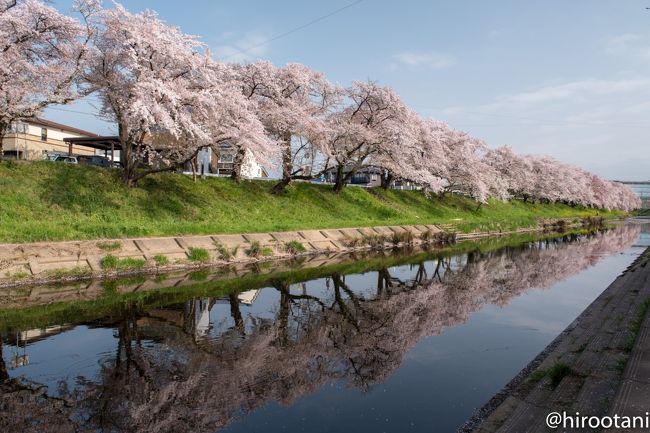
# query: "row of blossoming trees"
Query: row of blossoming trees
170,98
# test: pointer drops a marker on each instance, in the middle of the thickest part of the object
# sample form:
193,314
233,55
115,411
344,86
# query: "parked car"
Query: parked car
66,159
97,160
52,156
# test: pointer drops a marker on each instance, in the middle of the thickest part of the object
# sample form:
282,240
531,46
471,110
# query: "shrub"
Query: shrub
376,242
446,238
199,255
555,373
558,372
294,247
77,271
20,275
405,237
267,251
110,262
254,250
161,260
439,238
427,236
226,253
109,246
593,222
353,242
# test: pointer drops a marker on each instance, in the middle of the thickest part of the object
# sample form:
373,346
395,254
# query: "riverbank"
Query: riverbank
69,301
44,201
51,262
593,367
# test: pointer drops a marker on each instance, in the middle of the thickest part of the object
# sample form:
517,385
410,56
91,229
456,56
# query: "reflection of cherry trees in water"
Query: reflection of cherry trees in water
162,378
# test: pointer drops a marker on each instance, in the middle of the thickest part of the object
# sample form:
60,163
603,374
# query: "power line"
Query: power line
294,30
76,111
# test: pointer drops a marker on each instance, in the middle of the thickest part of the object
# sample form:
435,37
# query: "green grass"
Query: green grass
161,260
635,326
109,246
226,253
254,249
77,271
294,247
110,262
199,255
555,373
45,201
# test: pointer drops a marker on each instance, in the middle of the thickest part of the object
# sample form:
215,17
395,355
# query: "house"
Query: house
370,177
35,138
222,163
367,176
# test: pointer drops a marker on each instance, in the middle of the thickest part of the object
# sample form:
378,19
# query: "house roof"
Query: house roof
96,142
50,124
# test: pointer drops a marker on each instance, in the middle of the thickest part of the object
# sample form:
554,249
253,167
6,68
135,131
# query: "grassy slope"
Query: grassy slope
48,201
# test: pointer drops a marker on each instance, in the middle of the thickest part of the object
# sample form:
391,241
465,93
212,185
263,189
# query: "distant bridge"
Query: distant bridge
642,189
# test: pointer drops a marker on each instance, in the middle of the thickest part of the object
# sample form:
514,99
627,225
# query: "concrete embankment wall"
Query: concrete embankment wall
35,262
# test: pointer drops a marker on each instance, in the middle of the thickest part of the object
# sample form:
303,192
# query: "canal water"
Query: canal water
405,342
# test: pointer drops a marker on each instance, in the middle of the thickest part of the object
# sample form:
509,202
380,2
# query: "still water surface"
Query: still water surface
410,347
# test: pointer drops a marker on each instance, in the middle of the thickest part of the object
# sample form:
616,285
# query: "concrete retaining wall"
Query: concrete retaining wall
22,263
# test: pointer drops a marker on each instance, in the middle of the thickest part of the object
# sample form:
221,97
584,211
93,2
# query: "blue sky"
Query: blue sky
565,78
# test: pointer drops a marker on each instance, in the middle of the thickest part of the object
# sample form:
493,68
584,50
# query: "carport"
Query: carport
106,143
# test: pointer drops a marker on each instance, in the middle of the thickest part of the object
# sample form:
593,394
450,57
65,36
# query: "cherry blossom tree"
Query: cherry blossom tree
154,81
418,159
41,55
372,124
467,171
290,101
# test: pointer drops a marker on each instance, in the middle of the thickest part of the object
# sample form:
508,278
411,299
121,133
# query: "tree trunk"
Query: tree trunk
339,183
283,314
386,180
287,165
238,163
127,163
4,127
281,186
235,312
126,157
193,164
4,374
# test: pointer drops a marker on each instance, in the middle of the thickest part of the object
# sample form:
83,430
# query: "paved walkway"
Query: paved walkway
633,395
600,379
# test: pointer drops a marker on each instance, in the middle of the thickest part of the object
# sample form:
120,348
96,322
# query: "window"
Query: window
43,134
18,128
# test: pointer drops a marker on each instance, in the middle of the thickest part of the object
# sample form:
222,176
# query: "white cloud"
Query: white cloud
577,91
629,44
249,47
430,60
598,124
